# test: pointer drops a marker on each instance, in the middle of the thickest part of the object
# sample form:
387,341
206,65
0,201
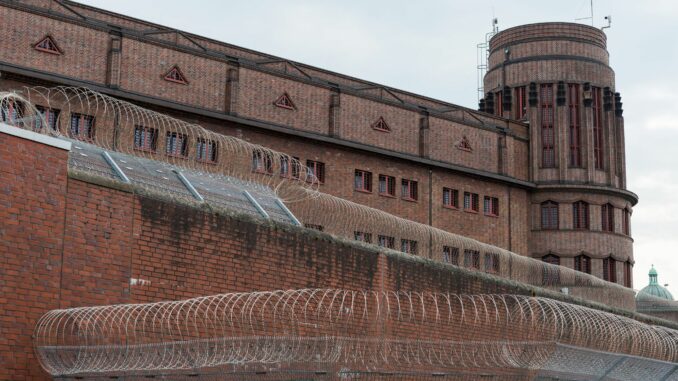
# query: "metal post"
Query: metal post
115,167
188,185
256,204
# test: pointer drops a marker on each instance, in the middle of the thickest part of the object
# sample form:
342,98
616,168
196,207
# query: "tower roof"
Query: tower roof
654,289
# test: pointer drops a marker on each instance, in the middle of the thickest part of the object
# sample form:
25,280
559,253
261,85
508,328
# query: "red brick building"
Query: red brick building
539,170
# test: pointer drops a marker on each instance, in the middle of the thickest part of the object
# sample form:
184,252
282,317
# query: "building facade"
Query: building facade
539,170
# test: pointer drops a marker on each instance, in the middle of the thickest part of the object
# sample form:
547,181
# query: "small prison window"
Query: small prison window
580,215
317,169
363,237
362,181
471,202
386,241
491,262
387,185
408,246
409,190
145,138
50,116
451,255
262,162
549,215
610,269
472,259
206,150
491,206
450,198
82,126
607,217
11,111
551,275
582,263
176,144
626,222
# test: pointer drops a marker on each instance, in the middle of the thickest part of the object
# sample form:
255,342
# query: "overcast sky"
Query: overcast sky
429,47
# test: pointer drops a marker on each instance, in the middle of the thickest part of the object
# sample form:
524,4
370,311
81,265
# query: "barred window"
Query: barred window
551,275
82,126
521,102
549,215
408,246
409,190
492,262
575,125
491,206
387,185
386,241
206,150
176,144
145,138
50,116
289,166
362,181
262,162
451,255
363,237
471,202
580,215
597,128
610,269
582,263
607,217
450,198
472,259
11,111
317,169
548,158
626,222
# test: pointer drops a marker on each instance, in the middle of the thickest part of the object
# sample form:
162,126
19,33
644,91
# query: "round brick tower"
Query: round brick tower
557,78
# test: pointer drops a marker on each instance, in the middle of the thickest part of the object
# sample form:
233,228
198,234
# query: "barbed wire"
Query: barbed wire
123,127
333,329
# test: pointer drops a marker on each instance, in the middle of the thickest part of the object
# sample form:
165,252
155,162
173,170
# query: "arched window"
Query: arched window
551,275
582,263
549,215
580,215
607,217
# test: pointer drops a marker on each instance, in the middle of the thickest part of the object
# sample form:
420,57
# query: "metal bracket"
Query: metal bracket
256,204
188,185
288,212
115,167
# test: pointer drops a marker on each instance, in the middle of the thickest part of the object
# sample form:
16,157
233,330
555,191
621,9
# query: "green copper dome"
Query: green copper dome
654,289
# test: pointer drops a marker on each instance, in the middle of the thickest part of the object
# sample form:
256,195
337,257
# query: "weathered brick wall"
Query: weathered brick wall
33,182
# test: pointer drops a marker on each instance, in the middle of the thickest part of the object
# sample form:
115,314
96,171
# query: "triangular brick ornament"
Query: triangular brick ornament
381,125
284,101
47,45
175,75
464,144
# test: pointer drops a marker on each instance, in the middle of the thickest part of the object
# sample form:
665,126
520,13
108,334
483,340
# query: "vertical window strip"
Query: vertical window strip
597,128
575,125
521,102
547,120
580,215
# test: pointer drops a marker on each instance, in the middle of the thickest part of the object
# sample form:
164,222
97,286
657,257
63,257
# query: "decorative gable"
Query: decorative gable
381,125
284,101
464,144
175,75
47,45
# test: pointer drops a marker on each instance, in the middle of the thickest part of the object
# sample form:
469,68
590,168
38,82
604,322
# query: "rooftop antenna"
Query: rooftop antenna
483,54
608,18
589,17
